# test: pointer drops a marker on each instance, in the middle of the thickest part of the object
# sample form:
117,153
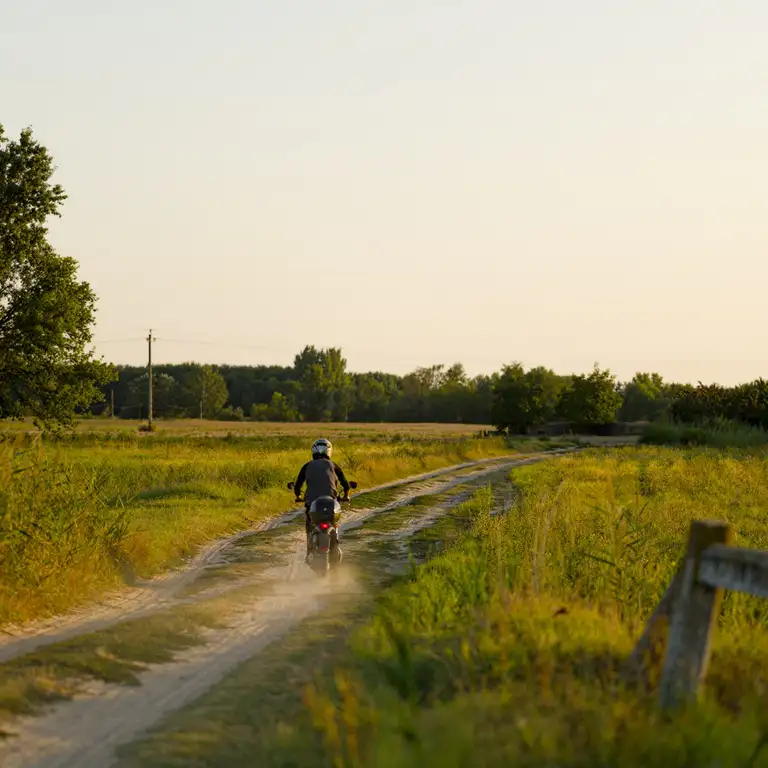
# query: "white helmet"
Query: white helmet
322,447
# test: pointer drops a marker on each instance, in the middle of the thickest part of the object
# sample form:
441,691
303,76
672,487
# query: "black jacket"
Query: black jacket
321,476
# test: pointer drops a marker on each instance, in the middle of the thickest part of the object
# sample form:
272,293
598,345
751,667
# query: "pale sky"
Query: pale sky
550,181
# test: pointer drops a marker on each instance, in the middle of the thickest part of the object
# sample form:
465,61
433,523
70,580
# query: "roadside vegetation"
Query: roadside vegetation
715,433
507,648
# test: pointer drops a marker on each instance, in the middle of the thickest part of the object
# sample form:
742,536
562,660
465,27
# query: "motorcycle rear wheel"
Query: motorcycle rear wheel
335,555
318,560
320,565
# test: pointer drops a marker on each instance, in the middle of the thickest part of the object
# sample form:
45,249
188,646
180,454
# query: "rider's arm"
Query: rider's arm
343,480
300,481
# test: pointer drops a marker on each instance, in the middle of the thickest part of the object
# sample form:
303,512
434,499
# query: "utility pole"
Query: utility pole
112,401
149,371
202,396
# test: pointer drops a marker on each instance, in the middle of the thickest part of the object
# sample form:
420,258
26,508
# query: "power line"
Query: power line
244,345
209,342
347,349
215,343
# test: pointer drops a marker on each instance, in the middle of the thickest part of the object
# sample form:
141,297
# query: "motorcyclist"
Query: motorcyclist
322,477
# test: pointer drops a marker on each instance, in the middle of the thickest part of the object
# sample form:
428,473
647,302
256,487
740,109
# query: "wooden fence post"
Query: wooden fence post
694,614
644,662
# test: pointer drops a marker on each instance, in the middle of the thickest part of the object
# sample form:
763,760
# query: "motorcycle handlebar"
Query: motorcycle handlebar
342,500
300,500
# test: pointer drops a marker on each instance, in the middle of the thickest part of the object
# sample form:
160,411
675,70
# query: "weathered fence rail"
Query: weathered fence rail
678,635
735,568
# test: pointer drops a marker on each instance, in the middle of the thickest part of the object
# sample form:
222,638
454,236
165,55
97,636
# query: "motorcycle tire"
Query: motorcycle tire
319,564
335,554
318,558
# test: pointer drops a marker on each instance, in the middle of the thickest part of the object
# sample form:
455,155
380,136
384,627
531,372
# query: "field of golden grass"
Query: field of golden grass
265,428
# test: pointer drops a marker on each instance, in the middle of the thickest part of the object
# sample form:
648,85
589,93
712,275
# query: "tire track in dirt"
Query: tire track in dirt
398,538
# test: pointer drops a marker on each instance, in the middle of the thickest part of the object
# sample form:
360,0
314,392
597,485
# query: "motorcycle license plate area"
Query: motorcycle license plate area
322,540
331,519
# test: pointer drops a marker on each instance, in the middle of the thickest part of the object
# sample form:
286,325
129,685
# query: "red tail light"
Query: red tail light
324,526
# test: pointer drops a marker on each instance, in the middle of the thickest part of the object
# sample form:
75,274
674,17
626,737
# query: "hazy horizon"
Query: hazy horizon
415,182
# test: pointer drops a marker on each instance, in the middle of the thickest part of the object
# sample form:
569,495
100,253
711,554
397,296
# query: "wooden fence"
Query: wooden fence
678,636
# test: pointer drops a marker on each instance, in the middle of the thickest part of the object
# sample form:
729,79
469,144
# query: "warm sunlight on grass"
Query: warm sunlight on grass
81,512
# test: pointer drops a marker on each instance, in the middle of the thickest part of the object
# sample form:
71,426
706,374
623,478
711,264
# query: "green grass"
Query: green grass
79,515
506,648
611,527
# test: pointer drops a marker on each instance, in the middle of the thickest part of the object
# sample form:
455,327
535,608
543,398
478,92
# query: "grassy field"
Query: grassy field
77,513
506,649
332,430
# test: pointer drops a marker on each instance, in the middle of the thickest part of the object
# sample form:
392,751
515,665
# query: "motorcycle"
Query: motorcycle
324,516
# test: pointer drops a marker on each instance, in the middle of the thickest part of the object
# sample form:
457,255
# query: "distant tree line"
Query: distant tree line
318,387
523,400
746,403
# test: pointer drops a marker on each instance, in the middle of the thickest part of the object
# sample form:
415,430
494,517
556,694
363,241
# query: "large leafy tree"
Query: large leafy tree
482,399
591,399
452,400
46,367
280,408
646,397
324,383
204,391
374,393
165,394
524,399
